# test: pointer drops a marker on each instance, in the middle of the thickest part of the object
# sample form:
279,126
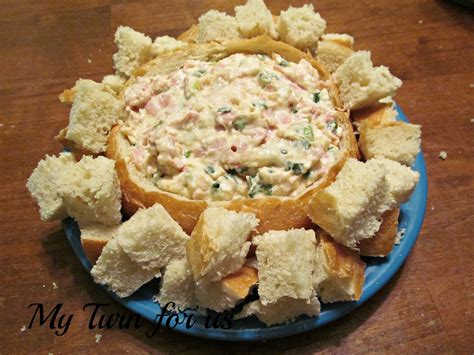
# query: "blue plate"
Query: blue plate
378,272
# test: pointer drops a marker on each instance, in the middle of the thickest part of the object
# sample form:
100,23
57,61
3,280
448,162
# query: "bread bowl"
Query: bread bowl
274,212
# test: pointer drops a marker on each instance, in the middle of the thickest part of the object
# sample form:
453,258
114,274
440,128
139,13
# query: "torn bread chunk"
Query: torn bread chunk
94,237
152,238
165,43
341,38
398,141
218,244
133,50
216,26
332,54
301,27
119,273
401,181
228,292
339,270
114,81
68,95
95,109
285,310
381,244
360,84
350,208
43,186
91,192
255,19
285,264
177,286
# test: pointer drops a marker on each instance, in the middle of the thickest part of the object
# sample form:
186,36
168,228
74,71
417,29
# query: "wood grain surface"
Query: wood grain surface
428,307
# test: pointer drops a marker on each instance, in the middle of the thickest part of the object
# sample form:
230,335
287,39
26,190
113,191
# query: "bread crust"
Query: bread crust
93,248
382,243
274,213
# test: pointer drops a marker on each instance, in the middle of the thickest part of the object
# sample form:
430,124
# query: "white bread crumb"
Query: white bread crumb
301,27
98,337
134,50
216,26
114,81
360,84
152,238
23,328
91,192
254,19
55,286
43,186
165,43
443,155
286,264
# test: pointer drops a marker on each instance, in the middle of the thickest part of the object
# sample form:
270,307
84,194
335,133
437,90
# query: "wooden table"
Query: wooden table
429,305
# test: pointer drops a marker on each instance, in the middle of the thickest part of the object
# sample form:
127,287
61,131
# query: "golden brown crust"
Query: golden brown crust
382,243
374,114
67,96
189,35
275,213
93,248
343,263
239,283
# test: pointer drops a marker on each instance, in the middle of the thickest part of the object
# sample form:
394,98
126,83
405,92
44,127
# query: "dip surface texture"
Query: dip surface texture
246,126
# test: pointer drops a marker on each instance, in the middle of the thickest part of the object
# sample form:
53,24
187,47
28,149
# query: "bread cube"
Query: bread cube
216,26
165,43
254,19
134,50
94,237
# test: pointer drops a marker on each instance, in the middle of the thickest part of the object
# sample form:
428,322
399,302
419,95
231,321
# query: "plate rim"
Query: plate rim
413,212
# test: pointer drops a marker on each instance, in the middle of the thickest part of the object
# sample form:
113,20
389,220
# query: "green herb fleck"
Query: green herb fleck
200,72
187,154
210,170
263,188
215,185
306,174
316,97
332,126
239,124
197,85
297,168
264,79
237,171
224,109
308,133
261,57
283,62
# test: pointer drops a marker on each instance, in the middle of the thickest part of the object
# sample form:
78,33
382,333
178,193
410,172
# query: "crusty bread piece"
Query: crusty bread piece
360,84
350,208
340,271
94,237
285,264
399,141
374,115
301,27
134,50
118,272
285,310
114,81
152,238
218,245
216,26
43,186
332,54
381,244
341,38
401,181
240,282
94,110
177,285
90,190
165,43
255,19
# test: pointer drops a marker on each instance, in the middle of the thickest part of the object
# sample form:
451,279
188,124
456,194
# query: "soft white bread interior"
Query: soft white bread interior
216,26
114,81
340,271
94,237
165,43
218,244
118,272
285,264
133,50
152,238
91,192
381,244
301,27
255,19
95,109
43,186
285,310
350,208
399,141
342,38
360,84
401,182
177,285
332,53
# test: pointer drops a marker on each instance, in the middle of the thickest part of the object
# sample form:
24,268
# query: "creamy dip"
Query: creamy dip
245,126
